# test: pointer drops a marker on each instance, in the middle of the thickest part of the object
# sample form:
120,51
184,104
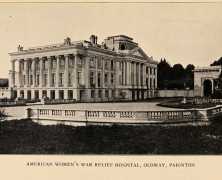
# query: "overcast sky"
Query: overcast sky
185,33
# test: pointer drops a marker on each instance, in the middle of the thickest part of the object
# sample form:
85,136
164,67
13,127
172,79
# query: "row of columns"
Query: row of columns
41,74
134,73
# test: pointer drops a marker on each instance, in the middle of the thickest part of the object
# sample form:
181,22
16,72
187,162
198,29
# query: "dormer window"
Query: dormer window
122,47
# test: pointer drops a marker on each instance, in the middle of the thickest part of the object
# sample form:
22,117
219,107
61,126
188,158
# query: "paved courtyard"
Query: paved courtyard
18,112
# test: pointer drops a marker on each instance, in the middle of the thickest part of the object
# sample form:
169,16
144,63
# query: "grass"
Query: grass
27,137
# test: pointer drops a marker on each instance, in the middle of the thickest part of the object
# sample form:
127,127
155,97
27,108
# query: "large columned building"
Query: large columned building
84,70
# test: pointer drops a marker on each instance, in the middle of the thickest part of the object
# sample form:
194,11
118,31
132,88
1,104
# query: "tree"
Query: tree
2,117
178,71
218,62
164,73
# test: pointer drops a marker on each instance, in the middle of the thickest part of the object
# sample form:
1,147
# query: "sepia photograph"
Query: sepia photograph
98,80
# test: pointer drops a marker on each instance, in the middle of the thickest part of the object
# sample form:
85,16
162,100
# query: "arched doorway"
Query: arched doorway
207,87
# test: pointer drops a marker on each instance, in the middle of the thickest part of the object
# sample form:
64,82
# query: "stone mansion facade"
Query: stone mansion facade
84,70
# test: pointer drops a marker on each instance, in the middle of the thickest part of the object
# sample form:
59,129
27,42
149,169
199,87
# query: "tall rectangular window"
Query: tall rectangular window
154,84
80,61
45,64
92,94
53,64
92,61
71,62
154,71
23,79
61,79
31,80
120,65
99,62
70,78
30,64
92,79
106,64
79,77
53,79
45,79
112,65
106,93
62,63
38,65
150,70
37,78
111,80
99,79
146,70
150,83
106,78
100,94
120,79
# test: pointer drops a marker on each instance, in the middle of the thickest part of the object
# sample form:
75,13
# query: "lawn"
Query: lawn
27,137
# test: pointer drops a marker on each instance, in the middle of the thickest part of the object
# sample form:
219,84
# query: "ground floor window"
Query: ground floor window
106,93
44,93
52,94
113,93
36,94
100,94
92,94
70,94
29,95
61,94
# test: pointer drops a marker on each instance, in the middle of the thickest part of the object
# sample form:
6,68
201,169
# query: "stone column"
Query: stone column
75,83
117,73
87,70
66,74
26,66
13,72
41,74
156,78
134,74
49,72
34,71
20,74
96,75
124,73
149,85
139,74
57,70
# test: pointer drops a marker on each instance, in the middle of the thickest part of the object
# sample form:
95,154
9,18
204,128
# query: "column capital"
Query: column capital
66,55
58,56
49,57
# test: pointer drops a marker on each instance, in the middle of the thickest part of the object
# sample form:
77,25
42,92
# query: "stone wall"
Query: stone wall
175,93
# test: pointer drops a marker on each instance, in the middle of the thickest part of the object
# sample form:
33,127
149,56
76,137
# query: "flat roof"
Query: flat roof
120,36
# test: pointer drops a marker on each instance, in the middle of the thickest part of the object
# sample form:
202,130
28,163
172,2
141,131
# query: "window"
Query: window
30,64
106,94
146,81
22,66
120,79
154,71
71,62
53,79
150,82
23,79
70,78
112,65
80,61
54,64
112,76
154,83
150,70
98,79
99,62
120,65
106,78
37,65
92,61
62,63
45,79
31,80
61,78
113,93
92,79
100,94
147,70
92,94
45,64
106,64
37,78
79,77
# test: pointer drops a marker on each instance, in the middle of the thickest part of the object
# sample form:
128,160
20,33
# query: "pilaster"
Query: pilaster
41,74
66,74
49,73
57,70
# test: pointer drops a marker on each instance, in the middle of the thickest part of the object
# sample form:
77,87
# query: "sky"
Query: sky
185,33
